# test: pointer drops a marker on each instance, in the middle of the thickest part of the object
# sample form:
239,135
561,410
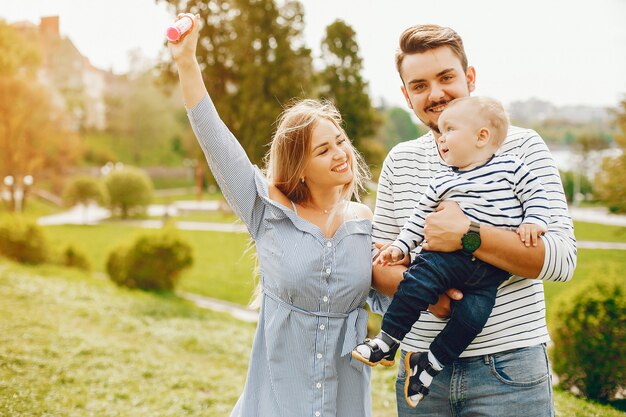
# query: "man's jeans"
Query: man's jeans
506,384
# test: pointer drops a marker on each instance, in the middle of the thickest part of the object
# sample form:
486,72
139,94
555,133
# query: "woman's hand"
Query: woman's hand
184,50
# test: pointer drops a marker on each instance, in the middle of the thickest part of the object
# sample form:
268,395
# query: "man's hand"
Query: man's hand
442,308
445,228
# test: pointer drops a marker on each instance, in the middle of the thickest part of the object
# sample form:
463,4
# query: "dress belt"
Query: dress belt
356,323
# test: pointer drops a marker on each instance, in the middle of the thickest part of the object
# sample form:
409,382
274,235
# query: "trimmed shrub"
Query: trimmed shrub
84,190
589,341
22,240
130,191
75,258
152,262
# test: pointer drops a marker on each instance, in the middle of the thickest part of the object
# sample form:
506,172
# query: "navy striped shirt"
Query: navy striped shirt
518,317
502,192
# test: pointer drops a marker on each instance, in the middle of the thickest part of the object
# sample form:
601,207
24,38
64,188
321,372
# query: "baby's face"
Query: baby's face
459,126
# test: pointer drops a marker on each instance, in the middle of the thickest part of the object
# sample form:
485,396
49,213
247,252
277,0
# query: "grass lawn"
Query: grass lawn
72,345
204,216
222,267
599,232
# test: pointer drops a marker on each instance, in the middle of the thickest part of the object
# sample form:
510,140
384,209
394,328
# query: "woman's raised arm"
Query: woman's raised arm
184,55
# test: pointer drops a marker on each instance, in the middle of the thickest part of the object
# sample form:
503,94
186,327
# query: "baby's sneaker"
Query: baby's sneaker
420,372
381,349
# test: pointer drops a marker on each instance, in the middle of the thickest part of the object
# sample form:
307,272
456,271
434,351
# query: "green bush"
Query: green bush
610,187
152,262
130,190
568,179
22,240
75,258
84,190
589,340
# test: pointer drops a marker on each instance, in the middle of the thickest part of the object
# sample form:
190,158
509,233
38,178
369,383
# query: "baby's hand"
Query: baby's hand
529,233
390,256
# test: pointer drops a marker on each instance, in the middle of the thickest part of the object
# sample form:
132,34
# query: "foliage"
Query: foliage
341,81
74,257
253,60
569,178
609,184
22,240
141,113
589,340
35,136
17,53
152,262
398,126
84,190
130,190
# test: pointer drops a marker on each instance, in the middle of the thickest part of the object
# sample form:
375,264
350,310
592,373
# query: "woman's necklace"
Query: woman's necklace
321,210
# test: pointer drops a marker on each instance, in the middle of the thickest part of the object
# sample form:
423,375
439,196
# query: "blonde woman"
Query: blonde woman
314,250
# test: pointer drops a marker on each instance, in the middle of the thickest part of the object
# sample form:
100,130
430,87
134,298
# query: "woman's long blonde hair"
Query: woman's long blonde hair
289,152
291,146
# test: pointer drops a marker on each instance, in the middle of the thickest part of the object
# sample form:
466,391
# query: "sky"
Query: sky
568,52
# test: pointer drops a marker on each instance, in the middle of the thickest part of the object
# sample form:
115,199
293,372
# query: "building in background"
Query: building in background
73,81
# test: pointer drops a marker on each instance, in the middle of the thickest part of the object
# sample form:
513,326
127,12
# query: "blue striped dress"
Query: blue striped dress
314,289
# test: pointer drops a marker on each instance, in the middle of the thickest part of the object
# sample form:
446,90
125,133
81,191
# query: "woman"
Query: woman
313,246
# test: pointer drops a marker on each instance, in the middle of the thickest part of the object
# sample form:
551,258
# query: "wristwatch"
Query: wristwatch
471,240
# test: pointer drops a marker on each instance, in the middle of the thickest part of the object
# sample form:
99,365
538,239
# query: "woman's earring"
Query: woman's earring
302,180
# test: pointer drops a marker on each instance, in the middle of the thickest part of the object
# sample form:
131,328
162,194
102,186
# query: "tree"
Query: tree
341,81
130,190
84,190
140,112
17,55
584,145
397,126
36,140
609,184
253,60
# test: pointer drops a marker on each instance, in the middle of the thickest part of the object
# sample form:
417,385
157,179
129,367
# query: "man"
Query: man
504,372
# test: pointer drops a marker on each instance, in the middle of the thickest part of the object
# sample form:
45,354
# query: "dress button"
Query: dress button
319,356
322,327
318,414
318,385
329,244
328,270
325,299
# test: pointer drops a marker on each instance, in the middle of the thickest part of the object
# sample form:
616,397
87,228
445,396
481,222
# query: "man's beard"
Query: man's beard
433,126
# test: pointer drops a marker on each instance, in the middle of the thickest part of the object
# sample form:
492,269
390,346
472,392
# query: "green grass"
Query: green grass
204,216
35,208
72,345
186,196
222,268
599,232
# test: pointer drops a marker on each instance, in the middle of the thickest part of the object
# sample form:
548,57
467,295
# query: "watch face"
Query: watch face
471,241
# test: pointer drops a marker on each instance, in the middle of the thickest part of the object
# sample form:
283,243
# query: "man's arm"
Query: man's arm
553,259
499,247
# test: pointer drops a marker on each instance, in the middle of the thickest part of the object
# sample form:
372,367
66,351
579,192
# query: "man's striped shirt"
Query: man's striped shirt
502,192
518,317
